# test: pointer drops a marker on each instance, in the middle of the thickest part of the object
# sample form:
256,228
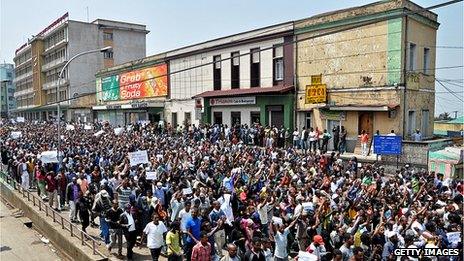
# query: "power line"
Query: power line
354,26
453,93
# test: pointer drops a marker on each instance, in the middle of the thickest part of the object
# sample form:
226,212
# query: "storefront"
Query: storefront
268,106
124,114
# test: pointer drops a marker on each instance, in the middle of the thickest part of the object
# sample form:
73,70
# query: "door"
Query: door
217,117
330,125
366,122
174,119
255,117
235,118
276,115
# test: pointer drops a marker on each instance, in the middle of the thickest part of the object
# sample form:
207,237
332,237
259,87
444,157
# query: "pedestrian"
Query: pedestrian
417,136
173,242
83,206
52,190
73,192
112,217
342,142
192,229
336,137
364,142
296,138
22,169
202,250
154,231
325,140
127,222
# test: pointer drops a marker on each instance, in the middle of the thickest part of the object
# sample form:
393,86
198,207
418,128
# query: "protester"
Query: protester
217,185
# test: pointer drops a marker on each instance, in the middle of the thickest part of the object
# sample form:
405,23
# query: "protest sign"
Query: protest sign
277,221
99,133
454,237
151,175
20,119
69,127
16,134
87,127
138,157
187,191
50,156
118,131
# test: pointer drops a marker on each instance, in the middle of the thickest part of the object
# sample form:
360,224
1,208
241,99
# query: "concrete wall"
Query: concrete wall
128,46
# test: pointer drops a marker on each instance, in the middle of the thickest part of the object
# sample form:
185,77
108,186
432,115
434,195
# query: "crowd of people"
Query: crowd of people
233,193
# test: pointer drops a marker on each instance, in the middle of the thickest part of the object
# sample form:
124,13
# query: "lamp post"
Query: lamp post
58,107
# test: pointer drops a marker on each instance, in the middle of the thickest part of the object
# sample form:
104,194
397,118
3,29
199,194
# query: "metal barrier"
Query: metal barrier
57,218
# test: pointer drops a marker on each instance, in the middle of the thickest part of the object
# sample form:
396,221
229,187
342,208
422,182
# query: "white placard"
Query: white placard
69,127
50,156
16,134
454,237
305,256
138,157
187,191
87,127
99,133
308,206
277,221
118,131
20,119
151,175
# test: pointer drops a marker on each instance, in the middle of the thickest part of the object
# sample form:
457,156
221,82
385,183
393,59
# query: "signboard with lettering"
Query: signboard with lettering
387,145
316,93
138,157
232,101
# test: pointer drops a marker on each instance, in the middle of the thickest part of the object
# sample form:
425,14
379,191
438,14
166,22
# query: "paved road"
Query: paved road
17,242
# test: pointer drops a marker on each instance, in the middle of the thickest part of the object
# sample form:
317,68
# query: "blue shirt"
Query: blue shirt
194,226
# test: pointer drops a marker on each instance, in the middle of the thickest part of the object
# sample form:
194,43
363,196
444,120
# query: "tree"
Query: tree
443,116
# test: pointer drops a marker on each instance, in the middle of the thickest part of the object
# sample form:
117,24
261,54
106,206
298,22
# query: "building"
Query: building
7,89
39,62
242,78
447,161
449,128
367,68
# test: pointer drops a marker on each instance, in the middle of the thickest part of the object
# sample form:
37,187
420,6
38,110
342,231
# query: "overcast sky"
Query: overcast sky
177,23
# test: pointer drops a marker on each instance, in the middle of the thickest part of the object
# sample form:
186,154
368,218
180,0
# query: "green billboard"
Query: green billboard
110,88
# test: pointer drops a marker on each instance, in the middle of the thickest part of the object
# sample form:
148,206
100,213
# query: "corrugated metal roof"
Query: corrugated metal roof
458,120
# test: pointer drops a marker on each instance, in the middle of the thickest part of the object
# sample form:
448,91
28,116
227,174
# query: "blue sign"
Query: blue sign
387,145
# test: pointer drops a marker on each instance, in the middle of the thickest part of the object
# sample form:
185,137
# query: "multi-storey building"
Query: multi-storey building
365,68
7,89
373,67
40,60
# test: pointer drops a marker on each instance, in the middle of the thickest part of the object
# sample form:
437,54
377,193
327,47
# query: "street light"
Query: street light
58,107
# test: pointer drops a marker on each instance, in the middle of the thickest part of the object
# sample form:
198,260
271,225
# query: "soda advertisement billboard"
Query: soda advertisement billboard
144,83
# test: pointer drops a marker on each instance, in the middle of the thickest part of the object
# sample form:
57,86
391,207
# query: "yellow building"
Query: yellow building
367,68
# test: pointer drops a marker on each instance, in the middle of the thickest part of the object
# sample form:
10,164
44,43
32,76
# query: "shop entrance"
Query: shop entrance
217,117
276,115
331,124
235,118
365,122
255,117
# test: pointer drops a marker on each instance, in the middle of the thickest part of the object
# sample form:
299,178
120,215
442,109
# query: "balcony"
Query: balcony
59,44
23,92
24,63
53,84
23,76
54,64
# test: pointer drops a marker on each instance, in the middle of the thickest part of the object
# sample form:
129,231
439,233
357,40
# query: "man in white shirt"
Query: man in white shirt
296,138
184,215
128,223
155,236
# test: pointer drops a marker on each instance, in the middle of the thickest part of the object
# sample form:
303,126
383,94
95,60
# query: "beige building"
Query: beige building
367,68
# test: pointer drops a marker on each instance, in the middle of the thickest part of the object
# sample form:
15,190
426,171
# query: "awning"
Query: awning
363,108
247,91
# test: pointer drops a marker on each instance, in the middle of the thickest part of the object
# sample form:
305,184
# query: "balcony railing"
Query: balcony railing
53,64
60,43
52,85
23,92
22,77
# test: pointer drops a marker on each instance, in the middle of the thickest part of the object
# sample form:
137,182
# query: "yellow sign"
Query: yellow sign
316,79
316,93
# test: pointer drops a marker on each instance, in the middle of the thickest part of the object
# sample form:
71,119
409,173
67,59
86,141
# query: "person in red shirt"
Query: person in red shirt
52,190
364,141
202,250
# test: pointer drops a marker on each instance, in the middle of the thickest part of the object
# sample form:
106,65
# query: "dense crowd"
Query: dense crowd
234,193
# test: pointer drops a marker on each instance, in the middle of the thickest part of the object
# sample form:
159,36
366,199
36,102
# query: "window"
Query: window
411,122
108,36
235,70
308,120
108,55
426,60
278,62
412,57
235,118
425,123
9,74
255,68
217,72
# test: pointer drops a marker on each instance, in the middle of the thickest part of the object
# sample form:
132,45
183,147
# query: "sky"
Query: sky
176,23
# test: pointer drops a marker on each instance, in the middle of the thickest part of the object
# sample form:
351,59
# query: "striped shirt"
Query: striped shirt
201,252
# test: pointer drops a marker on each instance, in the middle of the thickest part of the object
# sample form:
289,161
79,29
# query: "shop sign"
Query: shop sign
316,79
316,93
333,115
232,101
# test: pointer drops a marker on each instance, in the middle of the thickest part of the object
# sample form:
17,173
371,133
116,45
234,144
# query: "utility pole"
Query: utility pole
455,114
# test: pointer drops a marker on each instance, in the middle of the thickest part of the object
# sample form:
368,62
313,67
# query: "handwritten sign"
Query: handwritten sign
187,191
454,237
20,119
118,131
138,157
277,221
69,127
151,175
16,134
87,127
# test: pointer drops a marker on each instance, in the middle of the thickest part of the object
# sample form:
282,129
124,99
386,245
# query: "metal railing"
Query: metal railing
57,217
